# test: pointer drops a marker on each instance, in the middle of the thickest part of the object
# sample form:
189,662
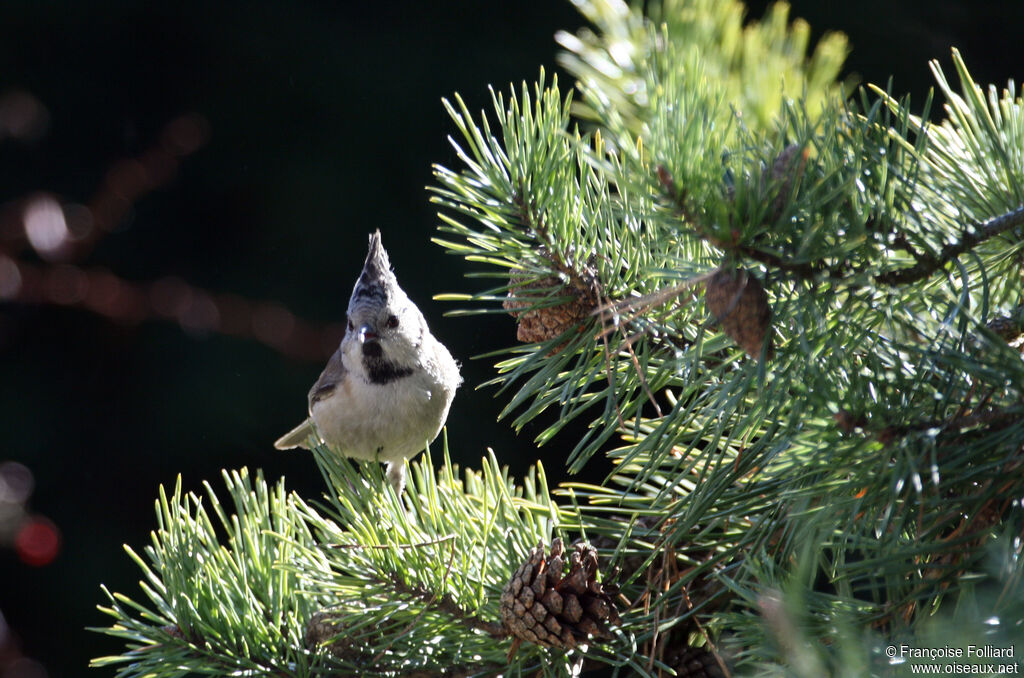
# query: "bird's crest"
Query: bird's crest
377,282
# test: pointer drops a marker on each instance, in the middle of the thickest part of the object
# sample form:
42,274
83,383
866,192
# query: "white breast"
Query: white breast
387,422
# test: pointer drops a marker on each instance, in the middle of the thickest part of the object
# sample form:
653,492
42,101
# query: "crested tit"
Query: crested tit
385,392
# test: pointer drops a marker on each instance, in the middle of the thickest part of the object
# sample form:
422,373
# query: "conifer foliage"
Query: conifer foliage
790,314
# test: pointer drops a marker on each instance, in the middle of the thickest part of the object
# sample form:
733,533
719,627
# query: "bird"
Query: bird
386,391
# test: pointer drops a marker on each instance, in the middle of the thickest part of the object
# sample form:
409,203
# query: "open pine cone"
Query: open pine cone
542,606
541,324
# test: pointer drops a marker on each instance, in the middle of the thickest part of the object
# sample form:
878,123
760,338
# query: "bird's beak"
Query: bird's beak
366,334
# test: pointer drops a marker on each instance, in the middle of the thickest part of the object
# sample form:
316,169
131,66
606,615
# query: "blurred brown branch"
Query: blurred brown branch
63,234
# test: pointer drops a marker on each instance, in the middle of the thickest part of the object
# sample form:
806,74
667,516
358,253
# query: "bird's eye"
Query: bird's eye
350,325
392,322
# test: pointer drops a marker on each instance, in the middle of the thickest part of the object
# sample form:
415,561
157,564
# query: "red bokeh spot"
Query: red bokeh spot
37,542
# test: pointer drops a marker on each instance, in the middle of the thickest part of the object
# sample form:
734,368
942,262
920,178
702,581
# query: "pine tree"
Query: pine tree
790,314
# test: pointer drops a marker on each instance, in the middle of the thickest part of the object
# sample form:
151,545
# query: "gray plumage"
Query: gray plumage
386,391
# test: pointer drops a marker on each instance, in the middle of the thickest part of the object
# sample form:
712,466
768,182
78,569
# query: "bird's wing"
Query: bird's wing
329,379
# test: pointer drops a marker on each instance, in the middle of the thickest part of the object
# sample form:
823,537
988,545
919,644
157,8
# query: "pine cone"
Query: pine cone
740,304
541,324
543,607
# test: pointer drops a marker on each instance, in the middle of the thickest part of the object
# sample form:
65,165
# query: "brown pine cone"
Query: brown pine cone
543,607
541,324
740,304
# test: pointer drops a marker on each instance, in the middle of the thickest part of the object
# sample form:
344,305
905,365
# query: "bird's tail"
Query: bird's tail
297,437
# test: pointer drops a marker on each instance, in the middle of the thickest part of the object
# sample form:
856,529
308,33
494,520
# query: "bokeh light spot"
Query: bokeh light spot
201,314
37,542
79,220
22,116
170,296
45,227
16,483
10,278
23,667
273,324
65,285
186,134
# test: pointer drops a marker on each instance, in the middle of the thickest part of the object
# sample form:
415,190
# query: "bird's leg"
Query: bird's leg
396,474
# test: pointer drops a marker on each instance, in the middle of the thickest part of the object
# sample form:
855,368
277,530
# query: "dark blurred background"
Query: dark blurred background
185,197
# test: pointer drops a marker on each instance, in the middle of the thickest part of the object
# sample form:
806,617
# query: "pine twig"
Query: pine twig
926,265
994,419
584,280
607,353
387,547
972,235
677,196
416,619
451,671
445,603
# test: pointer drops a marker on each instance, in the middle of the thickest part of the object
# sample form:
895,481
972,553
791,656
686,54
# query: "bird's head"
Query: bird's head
385,329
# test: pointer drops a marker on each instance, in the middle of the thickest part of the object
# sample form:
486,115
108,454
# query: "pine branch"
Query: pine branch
310,578
446,603
454,671
580,277
678,197
212,606
927,264
992,420
442,601
969,238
